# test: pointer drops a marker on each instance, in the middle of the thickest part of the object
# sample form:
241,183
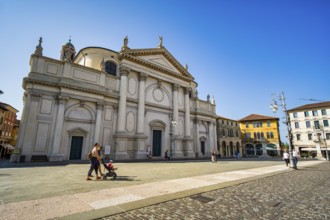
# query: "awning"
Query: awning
7,146
312,149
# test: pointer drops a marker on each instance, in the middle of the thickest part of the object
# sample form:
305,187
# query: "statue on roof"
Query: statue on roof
213,101
186,66
125,41
39,48
160,41
68,52
208,97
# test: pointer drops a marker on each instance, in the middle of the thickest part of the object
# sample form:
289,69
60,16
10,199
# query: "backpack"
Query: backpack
89,155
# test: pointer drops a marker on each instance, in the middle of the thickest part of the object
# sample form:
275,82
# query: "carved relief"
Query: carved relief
180,126
158,94
108,114
132,84
46,106
180,98
130,121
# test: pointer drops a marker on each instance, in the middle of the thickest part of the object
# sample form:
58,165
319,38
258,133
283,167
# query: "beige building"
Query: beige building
310,127
229,137
130,101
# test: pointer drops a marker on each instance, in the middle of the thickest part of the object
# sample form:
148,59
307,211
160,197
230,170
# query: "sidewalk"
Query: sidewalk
109,201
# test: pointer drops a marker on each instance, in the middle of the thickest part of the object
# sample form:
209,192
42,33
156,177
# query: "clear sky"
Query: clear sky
240,52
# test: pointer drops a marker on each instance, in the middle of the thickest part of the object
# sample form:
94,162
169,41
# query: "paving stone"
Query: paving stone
300,194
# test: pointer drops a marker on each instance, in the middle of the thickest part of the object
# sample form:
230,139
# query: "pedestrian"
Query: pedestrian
286,158
295,157
100,153
149,155
95,162
238,155
213,157
166,155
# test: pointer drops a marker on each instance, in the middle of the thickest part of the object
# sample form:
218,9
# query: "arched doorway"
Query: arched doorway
157,130
231,149
224,150
202,142
258,149
249,149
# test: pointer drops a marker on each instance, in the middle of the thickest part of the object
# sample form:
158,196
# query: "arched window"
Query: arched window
111,68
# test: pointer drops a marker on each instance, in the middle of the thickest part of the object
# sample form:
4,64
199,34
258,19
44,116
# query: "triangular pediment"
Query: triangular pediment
161,58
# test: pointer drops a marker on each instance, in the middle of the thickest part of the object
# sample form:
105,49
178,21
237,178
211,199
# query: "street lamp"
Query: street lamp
318,129
172,125
274,108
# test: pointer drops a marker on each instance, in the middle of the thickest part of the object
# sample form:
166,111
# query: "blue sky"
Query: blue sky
240,52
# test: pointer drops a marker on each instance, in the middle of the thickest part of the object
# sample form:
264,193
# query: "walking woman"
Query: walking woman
95,162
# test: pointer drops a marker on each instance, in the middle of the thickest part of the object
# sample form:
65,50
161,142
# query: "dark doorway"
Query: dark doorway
156,143
76,147
203,147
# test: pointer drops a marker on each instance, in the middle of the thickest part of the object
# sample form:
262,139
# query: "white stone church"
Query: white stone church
131,102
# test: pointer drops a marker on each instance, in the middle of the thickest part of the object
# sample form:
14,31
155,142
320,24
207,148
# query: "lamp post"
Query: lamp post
274,108
318,129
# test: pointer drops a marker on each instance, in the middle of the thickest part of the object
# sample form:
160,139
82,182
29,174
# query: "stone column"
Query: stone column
99,109
211,147
197,145
175,108
122,100
141,106
55,156
215,137
187,113
24,122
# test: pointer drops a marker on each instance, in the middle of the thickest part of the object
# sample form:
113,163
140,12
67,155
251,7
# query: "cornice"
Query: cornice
67,86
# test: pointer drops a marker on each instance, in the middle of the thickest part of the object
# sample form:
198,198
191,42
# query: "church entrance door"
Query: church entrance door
76,147
203,147
156,143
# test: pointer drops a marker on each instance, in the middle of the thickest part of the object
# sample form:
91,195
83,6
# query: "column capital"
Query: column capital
99,106
187,90
35,97
124,70
143,76
176,87
62,99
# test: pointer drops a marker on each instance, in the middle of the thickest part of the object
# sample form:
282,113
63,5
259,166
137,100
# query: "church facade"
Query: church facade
132,102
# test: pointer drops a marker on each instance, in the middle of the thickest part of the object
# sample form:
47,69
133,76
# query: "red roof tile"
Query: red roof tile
254,117
312,106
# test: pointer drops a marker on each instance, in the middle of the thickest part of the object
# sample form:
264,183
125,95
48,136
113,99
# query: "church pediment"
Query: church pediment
158,58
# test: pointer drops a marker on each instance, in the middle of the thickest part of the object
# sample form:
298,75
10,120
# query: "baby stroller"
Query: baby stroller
111,170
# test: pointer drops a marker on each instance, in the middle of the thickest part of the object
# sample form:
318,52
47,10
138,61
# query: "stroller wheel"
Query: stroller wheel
114,176
104,177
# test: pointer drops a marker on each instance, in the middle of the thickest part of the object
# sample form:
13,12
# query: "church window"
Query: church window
111,68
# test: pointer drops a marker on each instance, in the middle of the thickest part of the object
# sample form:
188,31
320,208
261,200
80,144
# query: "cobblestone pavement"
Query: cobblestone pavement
300,194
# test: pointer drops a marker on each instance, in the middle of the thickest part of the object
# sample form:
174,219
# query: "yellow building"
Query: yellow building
256,129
